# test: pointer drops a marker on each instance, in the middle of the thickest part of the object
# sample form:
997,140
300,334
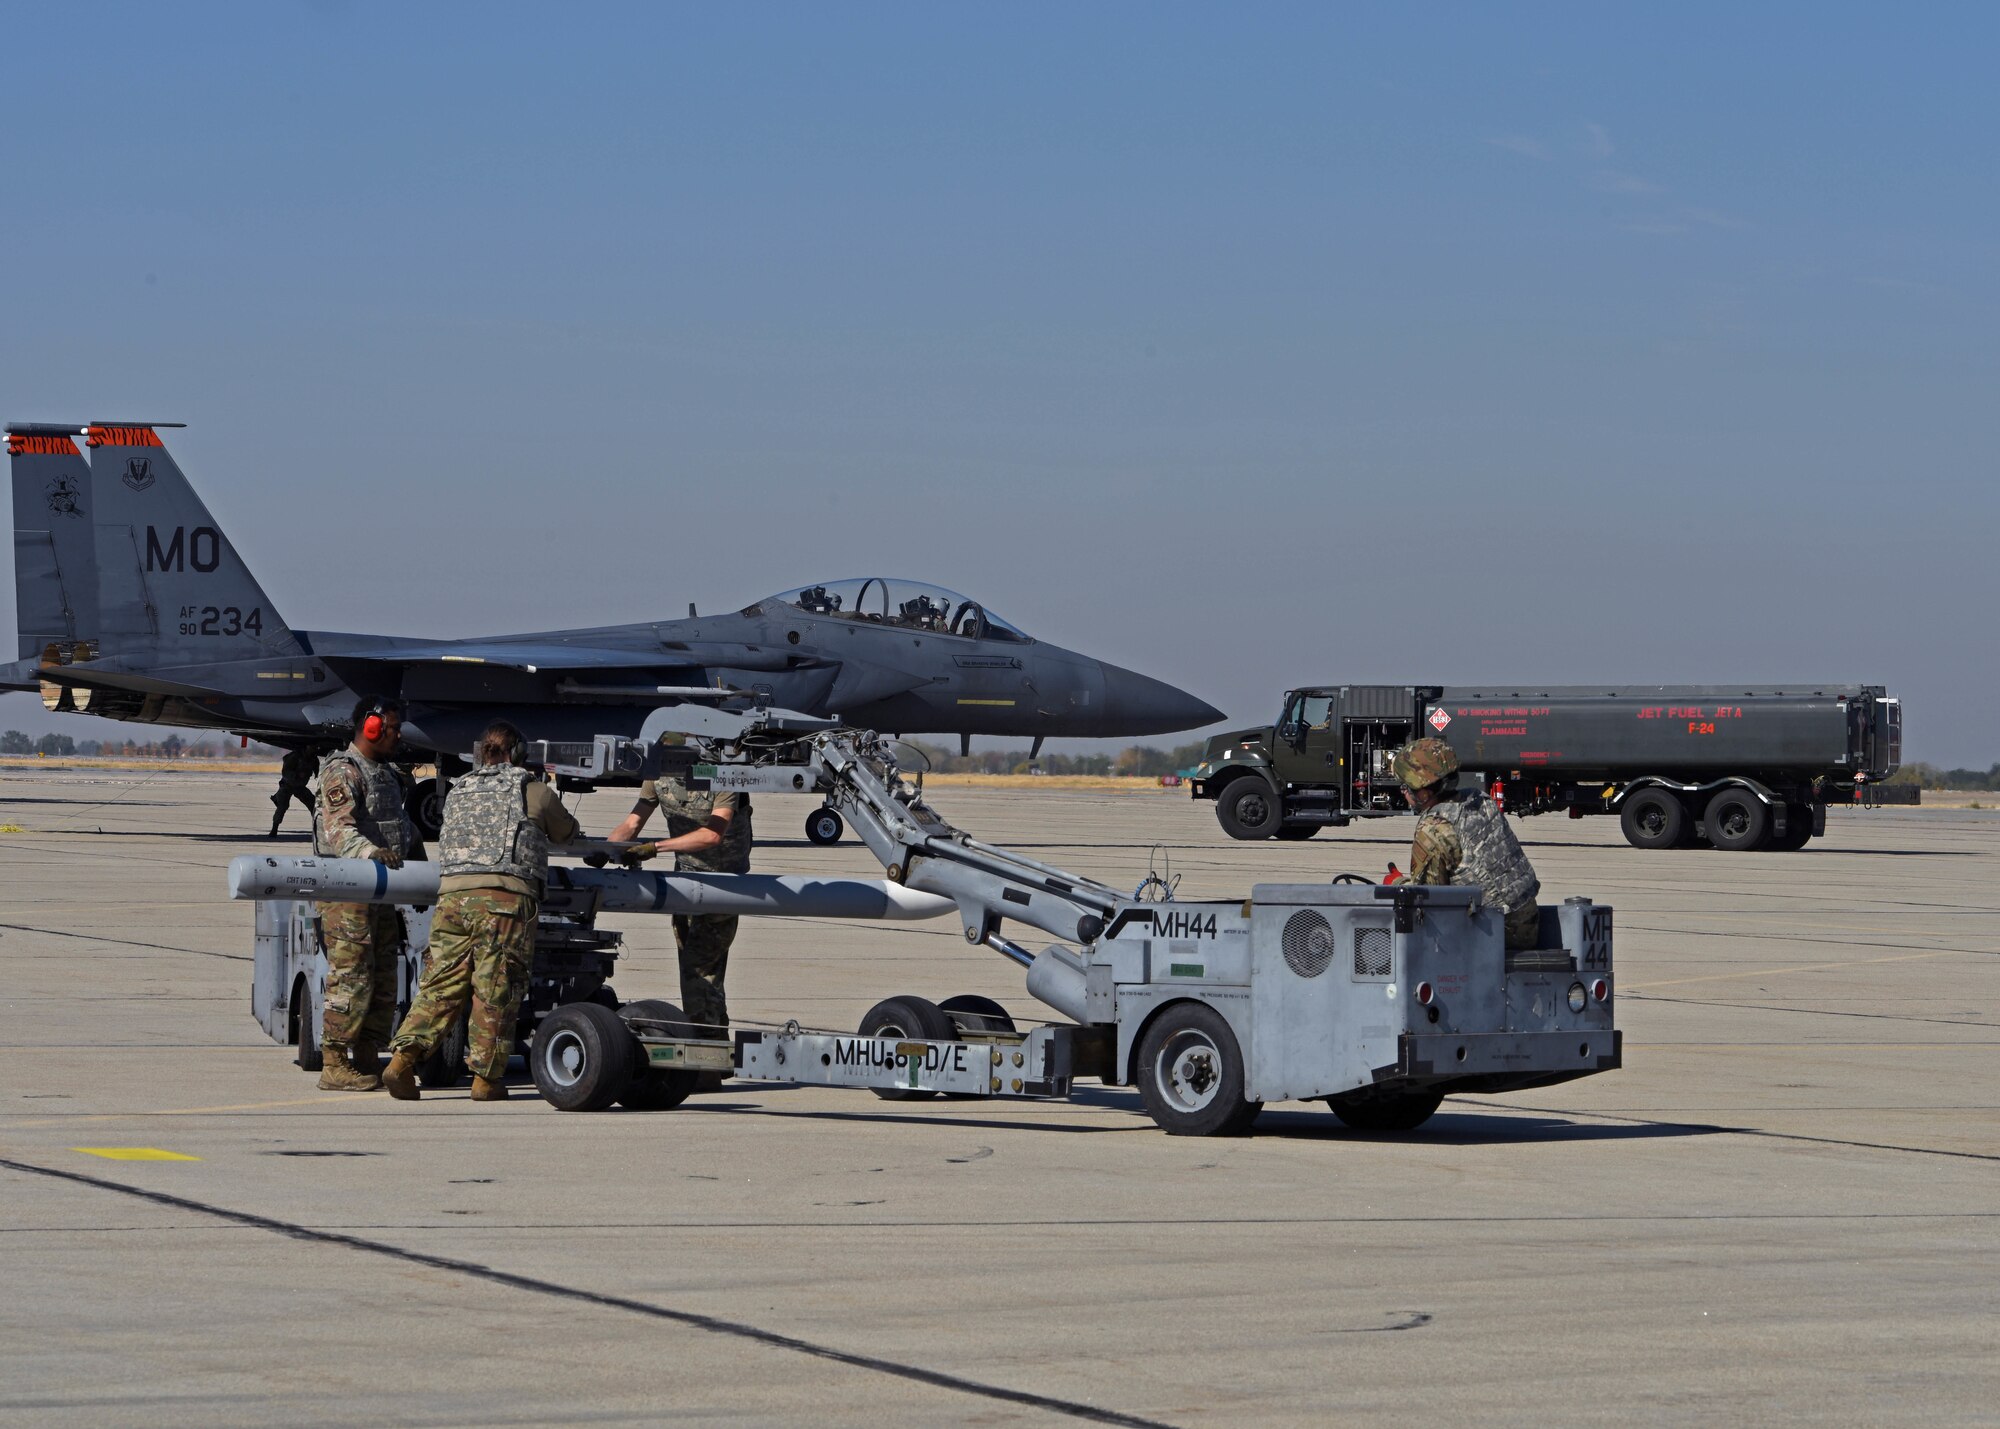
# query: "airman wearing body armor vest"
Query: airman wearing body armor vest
360,815
707,833
1463,838
493,864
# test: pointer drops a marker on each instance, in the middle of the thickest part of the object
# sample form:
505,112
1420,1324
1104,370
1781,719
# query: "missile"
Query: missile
264,877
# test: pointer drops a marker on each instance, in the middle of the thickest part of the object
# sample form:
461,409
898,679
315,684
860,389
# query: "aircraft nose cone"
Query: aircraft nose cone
1139,704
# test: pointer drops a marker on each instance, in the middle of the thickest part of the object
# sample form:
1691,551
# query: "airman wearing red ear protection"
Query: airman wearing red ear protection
360,815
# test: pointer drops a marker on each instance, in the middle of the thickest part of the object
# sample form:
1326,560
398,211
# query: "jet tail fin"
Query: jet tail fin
55,565
170,583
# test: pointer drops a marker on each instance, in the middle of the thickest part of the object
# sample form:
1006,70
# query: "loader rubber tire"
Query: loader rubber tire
1190,1073
657,1088
824,827
1385,1111
913,1019
582,1058
310,1058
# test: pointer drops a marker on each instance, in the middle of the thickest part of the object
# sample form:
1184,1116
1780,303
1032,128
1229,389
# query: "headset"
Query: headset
371,716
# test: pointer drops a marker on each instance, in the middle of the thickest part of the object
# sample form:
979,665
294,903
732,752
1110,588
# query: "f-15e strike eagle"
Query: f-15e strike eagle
134,605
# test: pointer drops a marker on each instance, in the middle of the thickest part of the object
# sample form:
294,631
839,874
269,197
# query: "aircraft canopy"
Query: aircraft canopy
910,605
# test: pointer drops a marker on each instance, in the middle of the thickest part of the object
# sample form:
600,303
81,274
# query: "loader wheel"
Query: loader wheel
310,1058
1653,818
1190,1073
582,1059
1249,809
824,827
1371,1110
657,1088
1292,833
912,1019
1737,820
445,1067
982,1016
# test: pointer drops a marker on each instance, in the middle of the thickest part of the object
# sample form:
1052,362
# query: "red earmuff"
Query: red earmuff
371,728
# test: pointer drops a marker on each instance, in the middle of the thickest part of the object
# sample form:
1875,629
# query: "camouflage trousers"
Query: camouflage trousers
482,945
1524,925
704,940
363,941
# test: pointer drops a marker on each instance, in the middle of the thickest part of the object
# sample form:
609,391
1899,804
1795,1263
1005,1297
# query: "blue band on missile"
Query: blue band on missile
381,879
659,891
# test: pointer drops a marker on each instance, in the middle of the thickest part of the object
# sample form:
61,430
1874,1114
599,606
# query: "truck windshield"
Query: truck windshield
911,605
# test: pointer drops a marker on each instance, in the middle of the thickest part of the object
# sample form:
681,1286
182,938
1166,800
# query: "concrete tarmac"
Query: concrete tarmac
1784,1209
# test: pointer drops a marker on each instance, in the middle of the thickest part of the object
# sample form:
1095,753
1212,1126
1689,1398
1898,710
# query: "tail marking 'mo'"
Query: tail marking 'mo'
169,581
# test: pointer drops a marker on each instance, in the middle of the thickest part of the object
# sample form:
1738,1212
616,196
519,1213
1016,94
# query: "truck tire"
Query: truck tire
1798,829
1248,808
913,1019
1370,1110
1736,820
657,1088
1293,833
982,1016
582,1058
1653,818
1190,1073
824,827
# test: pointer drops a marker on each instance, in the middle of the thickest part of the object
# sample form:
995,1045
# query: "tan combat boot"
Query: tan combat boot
485,1089
401,1078
366,1058
338,1076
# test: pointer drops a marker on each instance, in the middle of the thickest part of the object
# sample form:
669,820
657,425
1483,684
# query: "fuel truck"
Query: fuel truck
1729,766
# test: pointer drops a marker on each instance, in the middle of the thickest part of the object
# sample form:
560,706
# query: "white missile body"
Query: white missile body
263,877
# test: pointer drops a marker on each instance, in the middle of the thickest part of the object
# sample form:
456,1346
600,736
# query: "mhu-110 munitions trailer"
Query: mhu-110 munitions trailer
1730,766
1378,1000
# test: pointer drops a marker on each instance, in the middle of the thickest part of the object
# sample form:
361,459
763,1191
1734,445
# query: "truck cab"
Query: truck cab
1325,761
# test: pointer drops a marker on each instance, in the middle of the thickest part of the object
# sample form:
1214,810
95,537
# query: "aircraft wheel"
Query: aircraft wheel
1249,809
657,1088
824,827
1190,1073
912,1019
1737,820
1371,1110
427,810
1293,833
582,1058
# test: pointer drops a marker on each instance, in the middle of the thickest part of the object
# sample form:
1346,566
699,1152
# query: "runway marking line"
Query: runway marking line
327,1100
1803,968
134,1153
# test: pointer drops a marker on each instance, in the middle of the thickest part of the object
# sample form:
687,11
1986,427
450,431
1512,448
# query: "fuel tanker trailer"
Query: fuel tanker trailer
1732,766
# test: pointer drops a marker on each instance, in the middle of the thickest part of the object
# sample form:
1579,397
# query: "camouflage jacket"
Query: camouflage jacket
1465,840
360,808
688,809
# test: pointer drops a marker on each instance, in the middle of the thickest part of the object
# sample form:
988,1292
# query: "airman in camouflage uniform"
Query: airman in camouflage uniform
1462,838
493,863
360,815
706,833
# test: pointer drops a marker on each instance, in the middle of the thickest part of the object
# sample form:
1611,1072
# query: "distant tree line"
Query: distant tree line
1142,761
1929,776
172,747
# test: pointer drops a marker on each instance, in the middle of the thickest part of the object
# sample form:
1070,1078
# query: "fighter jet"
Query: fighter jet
134,605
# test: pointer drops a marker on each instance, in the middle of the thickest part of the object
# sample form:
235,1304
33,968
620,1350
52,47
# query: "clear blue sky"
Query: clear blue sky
1240,346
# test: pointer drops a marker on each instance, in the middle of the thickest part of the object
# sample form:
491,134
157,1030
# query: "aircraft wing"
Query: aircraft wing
531,656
